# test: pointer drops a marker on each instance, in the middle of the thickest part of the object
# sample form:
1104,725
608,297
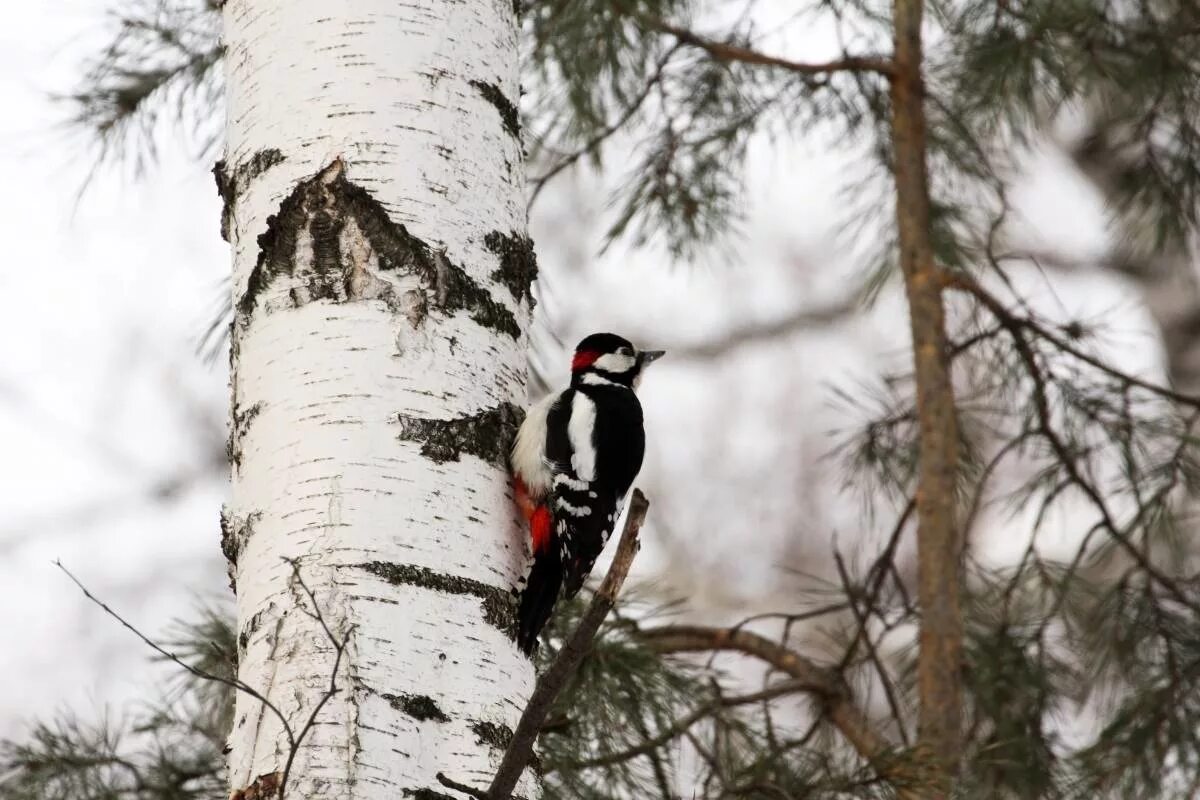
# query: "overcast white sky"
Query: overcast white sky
102,396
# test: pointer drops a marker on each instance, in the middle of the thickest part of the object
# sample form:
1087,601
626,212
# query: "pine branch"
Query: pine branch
684,723
592,144
824,683
805,319
552,681
726,51
1017,327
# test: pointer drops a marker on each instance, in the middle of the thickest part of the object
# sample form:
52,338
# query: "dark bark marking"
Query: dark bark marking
237,430
498,605
418,706
486,434
230,185
234,533
252,626
427,794
323,205
518,263
491,734
508,112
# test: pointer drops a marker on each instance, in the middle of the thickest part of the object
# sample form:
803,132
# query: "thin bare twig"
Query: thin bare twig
295,739
889,690
339,650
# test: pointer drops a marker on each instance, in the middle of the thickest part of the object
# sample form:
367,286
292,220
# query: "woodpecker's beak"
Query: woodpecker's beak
648,356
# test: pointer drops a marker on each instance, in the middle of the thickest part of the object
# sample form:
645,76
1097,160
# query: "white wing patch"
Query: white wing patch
529,450
579,432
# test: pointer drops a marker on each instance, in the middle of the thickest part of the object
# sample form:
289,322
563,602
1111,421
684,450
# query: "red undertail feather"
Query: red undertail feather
536,514
539,528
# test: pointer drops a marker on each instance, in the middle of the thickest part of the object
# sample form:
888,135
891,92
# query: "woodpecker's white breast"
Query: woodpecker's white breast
529,450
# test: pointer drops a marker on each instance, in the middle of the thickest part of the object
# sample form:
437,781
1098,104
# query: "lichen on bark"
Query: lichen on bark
498,605
518,263
486,434
491,734
318,214
418,706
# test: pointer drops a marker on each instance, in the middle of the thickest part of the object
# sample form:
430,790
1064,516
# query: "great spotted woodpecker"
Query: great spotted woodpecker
574,458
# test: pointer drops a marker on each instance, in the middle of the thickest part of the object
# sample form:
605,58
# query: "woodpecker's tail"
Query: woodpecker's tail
538,599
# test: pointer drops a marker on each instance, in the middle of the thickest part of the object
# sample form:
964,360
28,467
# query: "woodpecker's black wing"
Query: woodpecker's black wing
603,450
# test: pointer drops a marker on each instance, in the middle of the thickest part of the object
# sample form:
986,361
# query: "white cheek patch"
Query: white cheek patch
614,362
579,431
592,379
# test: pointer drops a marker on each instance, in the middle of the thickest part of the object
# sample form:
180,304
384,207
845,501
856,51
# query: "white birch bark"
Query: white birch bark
373,187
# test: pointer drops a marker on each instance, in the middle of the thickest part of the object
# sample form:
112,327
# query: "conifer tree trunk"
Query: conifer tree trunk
939,664
374,203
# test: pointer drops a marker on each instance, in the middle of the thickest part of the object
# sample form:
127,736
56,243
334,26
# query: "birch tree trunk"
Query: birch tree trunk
373,189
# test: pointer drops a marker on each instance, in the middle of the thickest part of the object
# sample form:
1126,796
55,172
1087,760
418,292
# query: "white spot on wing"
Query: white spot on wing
529,450
563,479
579,431
575,511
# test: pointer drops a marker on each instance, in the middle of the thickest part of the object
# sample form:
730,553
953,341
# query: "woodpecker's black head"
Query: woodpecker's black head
606,357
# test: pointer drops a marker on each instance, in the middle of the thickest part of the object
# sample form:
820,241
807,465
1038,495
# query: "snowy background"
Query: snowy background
112,426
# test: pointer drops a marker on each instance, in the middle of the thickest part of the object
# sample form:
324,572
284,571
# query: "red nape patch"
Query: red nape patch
539,528
583,360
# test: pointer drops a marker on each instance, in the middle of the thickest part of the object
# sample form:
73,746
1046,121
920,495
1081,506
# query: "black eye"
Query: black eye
624,351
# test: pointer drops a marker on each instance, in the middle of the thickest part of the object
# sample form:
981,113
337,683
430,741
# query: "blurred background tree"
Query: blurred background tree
782,596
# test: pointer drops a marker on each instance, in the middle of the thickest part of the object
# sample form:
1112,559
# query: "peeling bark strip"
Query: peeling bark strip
230,185
487,434
508,112
322,206
498,605
418,706
518,263
264,787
